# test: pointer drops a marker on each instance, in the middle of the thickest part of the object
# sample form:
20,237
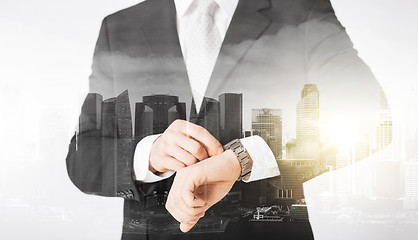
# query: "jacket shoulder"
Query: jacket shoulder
295,12
136,12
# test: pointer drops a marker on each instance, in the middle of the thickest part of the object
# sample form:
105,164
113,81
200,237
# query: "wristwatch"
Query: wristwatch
243,158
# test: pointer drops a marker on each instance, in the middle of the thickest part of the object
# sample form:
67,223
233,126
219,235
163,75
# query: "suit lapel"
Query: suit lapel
247,25
160,30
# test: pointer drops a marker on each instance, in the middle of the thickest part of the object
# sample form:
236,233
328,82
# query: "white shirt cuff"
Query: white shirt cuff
264,162
141,161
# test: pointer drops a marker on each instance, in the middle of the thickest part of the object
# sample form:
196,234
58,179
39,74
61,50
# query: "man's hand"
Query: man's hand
182,144
198,187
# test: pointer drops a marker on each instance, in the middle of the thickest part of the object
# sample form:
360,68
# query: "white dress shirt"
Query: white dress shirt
264,162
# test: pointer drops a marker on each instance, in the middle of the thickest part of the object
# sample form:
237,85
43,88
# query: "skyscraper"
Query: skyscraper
291,149
411,185
90,117
109,147
155,113
384,125
124,153
90,124
307,124
117,145
342,159
231,116
293,173
105,140
208,117
329,152
362,148
342,182
270,121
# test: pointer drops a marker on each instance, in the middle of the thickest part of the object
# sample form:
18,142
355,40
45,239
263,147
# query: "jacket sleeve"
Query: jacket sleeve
100,156
349,87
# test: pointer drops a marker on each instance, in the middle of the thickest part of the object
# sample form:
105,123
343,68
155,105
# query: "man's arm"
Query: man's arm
348,87
98,141
84,156
265,165
331,62
198,187
99,160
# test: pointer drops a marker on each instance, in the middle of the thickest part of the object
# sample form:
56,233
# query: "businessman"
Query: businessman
267,51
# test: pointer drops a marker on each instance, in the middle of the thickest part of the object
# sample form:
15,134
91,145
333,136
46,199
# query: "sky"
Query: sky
41,93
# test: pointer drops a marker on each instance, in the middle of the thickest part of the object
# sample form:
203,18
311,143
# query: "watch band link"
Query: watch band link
243,158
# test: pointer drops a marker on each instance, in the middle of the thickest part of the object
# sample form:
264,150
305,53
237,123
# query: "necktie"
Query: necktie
204,42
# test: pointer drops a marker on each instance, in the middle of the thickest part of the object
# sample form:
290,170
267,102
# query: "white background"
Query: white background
46,49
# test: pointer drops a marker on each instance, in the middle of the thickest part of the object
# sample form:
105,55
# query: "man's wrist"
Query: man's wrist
151,167
142,157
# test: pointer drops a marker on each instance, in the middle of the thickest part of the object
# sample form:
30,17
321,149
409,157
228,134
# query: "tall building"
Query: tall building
105,139
411,185
411,118
383,131
124,153
362,148
293,173
328,160
88,148
291,149
307,124
155,113
109,147
410,168
388,179
231,116
342,159
384,124
342,181
91,113
117,145
208,117
270,121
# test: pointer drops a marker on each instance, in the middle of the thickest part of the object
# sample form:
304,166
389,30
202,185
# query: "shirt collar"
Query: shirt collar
228,6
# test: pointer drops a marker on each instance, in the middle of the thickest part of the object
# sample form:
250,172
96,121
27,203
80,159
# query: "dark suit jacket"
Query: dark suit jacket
271,49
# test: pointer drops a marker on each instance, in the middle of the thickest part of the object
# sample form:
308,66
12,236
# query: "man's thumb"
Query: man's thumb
185,227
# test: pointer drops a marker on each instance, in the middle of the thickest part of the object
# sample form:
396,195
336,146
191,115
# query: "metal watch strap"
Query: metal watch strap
242,156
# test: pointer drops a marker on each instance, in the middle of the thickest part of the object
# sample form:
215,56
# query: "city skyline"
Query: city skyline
224,119
169,108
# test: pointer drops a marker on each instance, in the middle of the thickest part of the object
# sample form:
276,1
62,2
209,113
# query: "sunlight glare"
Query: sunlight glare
342,131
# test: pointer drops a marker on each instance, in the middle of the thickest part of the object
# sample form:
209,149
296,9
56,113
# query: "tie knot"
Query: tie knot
206,6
